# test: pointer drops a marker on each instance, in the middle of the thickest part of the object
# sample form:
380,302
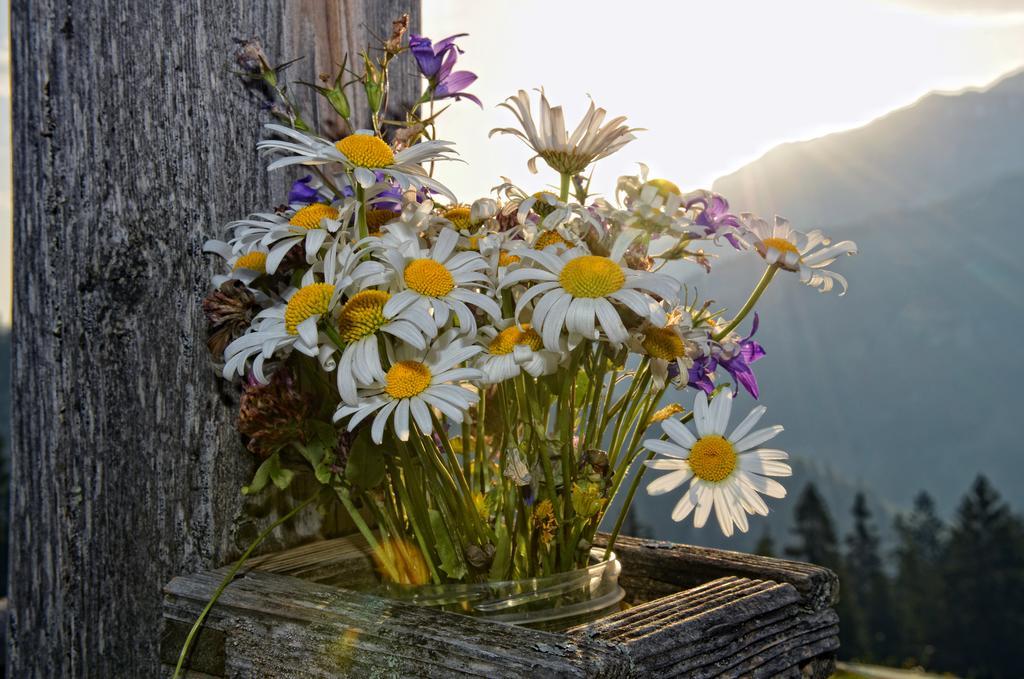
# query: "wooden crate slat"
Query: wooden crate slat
711,613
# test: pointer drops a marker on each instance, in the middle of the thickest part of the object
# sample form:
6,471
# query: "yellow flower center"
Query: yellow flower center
506,340
549,238
362,315
377,217
429,278
712,458
309,217
663,343
406,379
591,276
665,187
504,258
306,303
363,150
458,215
256,261
543,206
780,244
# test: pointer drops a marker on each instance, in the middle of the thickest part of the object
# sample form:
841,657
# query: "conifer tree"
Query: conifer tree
766,545
919,607
984,581
816,542
867,583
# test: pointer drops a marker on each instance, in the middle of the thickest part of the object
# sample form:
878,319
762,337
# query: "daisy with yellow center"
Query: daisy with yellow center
414,384
676,342
289,326
726,473
510,350
806,254
276,233
438,282
359,323
650,208
578,292
244,265
459,216
362,155
294,322
567,154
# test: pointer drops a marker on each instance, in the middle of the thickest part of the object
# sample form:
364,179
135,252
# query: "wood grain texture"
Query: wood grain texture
278,626
133,143
291,611
654,568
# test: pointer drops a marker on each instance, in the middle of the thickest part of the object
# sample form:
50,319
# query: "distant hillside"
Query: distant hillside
941,145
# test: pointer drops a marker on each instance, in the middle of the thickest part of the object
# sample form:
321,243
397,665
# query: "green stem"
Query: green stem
755,295
364,229
367,534
630,494
564,191
230,577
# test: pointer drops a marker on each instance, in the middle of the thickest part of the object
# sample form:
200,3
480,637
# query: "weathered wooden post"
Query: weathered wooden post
132,142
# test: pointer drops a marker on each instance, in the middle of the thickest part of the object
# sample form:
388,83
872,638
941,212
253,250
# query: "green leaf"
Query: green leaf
323,473
450,561
365,467
269,471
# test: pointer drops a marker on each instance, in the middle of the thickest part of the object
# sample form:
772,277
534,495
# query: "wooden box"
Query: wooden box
696,613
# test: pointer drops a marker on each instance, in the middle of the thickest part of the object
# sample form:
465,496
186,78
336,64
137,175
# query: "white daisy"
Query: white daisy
362,155
565,153
294,323
278,233
793,250
510,350
437,282
359,322
677,342
414,384
576,291
652,208
244,266
725,472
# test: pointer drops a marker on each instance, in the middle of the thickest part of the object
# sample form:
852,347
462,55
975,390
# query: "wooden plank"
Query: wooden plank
133,142
276,624
654,568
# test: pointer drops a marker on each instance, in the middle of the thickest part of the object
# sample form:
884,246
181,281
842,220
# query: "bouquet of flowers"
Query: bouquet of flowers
474,380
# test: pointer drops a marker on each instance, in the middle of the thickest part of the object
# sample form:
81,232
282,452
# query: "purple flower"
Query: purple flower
736,358
701,374
436,63
302,192
715,217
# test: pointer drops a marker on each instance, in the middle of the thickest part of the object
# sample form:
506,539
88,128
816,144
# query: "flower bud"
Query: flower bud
482,210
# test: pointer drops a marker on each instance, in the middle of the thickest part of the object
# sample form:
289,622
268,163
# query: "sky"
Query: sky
716,83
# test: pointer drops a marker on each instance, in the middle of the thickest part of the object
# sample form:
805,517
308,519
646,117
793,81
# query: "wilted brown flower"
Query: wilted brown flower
273,415
393,45
250,57
229,311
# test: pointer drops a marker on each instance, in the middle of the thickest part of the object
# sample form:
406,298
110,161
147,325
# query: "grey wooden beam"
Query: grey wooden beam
133,143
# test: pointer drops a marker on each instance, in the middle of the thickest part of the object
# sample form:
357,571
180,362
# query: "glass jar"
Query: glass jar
552,602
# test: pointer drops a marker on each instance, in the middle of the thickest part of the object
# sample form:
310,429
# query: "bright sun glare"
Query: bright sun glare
723,81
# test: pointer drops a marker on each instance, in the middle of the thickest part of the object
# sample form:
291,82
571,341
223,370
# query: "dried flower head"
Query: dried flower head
273,415
544,522
229,310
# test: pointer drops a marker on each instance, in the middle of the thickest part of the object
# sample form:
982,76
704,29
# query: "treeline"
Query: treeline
948,598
